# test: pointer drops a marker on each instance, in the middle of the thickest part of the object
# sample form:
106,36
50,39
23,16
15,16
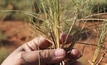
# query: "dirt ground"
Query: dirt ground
18,32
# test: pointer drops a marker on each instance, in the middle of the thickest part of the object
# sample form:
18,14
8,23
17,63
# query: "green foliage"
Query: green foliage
3,54
2,36
22,5
84,7
99,7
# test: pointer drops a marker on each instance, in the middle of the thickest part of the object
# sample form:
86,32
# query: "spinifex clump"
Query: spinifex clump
52,13
53,17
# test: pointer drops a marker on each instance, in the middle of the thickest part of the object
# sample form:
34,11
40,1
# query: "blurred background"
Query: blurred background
23,5
15,29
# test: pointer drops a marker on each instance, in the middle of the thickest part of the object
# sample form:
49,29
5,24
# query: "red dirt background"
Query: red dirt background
16,33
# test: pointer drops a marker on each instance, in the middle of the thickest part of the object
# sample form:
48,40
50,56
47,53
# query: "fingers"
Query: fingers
43,56
72,57
41,43
63,39
36,43
48,56
74,54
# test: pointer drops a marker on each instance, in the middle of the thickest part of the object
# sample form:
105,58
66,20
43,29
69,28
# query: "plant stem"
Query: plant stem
57,23
100,43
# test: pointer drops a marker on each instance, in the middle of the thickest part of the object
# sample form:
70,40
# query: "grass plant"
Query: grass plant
54,14
70,13
3,54
100,43
2,36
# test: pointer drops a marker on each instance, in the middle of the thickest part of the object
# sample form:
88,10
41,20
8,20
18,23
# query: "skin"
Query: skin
35,52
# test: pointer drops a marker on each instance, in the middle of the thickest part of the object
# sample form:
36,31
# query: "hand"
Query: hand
35,53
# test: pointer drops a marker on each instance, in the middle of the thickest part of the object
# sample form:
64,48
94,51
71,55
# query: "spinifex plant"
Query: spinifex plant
55,14
60,16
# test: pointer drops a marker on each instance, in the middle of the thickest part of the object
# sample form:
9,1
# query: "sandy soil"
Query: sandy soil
16,33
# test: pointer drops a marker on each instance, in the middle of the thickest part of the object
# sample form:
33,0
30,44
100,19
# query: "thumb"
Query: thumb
43,56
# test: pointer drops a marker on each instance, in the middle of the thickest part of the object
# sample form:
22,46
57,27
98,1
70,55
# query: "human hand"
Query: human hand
35,53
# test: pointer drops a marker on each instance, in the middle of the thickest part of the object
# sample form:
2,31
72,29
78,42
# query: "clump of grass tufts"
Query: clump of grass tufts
100,43
60,16
55,14
3,54
99,7
2,36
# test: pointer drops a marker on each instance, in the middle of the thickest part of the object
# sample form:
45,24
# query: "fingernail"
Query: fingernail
59,52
